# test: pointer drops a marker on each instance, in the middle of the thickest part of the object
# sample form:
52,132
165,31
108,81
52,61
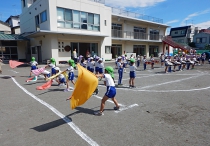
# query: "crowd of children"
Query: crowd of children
179,62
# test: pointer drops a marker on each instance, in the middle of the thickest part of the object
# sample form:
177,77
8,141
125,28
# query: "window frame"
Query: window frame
78,25
43,12
109,48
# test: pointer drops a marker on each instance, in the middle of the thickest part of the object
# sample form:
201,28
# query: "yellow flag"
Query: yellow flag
84,87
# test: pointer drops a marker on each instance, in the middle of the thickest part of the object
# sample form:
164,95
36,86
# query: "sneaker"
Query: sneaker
96,91
98,113
116,108
66,90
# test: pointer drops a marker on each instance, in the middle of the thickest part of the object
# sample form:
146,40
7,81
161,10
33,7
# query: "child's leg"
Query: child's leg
166,68
132,81
174,68
72,81
145,66
67,84
105,98
115,102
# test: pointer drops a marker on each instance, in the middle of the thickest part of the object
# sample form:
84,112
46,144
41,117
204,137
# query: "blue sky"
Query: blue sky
174,13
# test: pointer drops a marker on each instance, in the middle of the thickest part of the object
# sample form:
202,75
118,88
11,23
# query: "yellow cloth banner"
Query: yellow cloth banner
84,87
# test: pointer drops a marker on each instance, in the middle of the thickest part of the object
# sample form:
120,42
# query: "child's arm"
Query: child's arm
99,75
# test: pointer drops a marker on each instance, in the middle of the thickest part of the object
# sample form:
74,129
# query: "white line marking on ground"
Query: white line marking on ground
125,108
169,82
13,71
199,89
66,119
122,107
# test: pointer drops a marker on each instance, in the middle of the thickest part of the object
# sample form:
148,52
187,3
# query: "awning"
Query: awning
168,40
44,32
12,37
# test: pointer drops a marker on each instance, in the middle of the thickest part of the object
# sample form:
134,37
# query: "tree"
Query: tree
207,47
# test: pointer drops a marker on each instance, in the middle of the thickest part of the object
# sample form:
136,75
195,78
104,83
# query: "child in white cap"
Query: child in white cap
90,65
100,66
61,78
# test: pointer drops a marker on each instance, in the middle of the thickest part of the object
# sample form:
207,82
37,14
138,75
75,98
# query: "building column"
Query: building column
147,50
164,48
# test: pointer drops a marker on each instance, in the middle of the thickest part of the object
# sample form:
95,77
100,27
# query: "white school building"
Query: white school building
57,27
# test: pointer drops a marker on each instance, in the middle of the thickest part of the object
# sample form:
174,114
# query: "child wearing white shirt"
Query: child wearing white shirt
132,73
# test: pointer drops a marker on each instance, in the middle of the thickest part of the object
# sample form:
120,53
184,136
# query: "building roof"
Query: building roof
168,40
17,16
2,22
10,37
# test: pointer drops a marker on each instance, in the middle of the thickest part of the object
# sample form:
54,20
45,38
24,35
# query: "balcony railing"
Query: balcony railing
135,35
136,15
98,1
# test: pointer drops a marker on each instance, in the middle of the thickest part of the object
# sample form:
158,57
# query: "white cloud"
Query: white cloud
203,25
172,21
194,15
132,3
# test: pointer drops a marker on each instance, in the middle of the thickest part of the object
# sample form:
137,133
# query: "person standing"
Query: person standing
120,70
0,66
75,55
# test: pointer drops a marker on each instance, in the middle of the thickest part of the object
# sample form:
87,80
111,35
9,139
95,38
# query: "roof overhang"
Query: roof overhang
136,40
139,20
46,32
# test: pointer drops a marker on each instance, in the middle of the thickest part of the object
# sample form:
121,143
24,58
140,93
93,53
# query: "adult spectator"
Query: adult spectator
75,55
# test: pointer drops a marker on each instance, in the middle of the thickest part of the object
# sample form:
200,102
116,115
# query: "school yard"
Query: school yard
163,110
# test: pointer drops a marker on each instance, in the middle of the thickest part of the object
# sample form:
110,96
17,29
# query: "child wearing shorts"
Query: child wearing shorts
111,91
90,65
33,64
61,78
132,73
70,74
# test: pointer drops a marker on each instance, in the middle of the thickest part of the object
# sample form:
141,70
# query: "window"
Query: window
76,16
67,18
37,22
201,40
43,16
139,33
182,32
83,20
154,34
108,49
24,3
60,14
90,18
68,15
176,32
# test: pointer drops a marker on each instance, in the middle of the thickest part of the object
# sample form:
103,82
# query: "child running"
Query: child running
70,75
33,65
111,91
132,73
